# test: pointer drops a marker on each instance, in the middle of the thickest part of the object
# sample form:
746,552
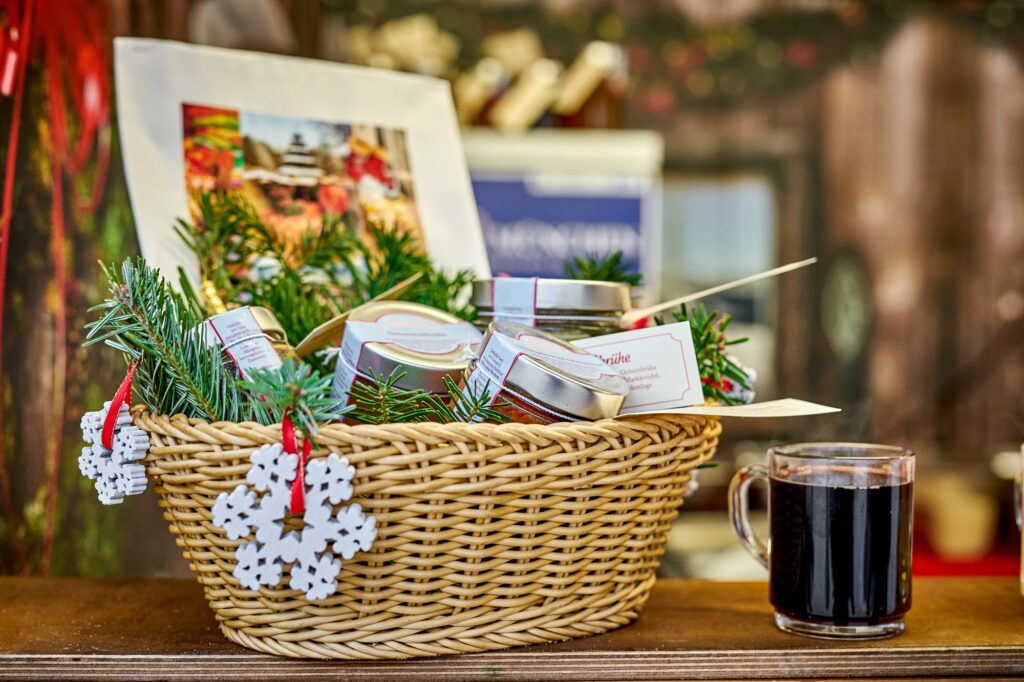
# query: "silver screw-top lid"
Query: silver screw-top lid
549,372
426,360
564,295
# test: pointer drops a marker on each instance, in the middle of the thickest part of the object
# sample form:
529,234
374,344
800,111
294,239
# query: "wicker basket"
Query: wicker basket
488,536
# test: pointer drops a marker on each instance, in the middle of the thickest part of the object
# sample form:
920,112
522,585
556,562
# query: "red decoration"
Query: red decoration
123,396
686,59
656,100
801,54
298,505
69,38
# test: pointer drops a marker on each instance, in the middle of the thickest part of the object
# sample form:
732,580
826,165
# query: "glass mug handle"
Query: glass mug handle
1018,481
739,509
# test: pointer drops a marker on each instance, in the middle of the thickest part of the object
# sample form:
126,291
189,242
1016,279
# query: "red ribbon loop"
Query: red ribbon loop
123,395
298,504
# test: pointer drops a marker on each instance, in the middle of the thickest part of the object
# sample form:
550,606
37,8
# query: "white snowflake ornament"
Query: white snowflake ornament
233,511
114,470
312,552
317,579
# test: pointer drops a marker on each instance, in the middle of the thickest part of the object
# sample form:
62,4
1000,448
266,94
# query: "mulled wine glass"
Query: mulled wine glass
840,516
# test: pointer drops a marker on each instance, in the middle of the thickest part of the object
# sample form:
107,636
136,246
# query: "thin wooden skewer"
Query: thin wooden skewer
633,316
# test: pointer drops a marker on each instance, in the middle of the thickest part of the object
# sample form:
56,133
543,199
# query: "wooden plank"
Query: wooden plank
162,629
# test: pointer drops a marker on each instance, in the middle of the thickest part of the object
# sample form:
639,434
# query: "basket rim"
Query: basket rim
630,425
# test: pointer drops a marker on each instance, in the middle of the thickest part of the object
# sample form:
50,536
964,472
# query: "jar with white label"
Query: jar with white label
536,378
425,343
250,337
570,309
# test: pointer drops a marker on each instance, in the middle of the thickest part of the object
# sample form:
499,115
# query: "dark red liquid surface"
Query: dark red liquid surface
841,555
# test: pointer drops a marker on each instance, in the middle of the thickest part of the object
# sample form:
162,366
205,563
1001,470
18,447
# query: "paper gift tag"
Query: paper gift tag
660,364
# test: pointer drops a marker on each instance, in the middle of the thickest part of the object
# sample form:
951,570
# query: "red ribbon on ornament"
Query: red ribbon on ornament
123,395
290,446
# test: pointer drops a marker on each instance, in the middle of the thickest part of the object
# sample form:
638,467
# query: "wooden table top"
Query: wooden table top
162,629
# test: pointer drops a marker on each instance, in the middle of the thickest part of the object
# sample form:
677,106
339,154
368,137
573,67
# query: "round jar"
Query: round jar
426,343
273,331
250,338
536,378
569,309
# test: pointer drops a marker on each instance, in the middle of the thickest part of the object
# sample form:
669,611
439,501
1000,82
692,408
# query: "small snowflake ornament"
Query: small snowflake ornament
113,469
313,551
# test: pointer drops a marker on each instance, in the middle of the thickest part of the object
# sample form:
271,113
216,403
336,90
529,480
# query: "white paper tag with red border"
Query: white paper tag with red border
238,333
660,364
514,299
409,331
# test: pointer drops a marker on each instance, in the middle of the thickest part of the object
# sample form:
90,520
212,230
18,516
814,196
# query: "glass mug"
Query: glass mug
841,517
1018,510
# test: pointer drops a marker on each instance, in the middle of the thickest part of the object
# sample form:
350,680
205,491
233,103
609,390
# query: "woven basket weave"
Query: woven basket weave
489,536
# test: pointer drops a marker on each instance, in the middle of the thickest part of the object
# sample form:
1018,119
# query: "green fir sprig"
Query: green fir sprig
297,391
710,341
178,372
466,404
608,268
327,271
381,401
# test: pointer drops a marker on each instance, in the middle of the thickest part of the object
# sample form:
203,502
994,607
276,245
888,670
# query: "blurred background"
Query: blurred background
706,139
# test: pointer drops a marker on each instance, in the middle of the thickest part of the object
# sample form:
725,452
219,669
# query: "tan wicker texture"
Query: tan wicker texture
488,536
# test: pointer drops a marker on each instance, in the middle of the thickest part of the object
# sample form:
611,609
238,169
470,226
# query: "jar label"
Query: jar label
514,299
240,336
491,370
501,353
579,364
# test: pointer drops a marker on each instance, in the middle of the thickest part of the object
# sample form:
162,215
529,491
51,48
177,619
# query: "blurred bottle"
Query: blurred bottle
593,92
515,50
530,97
478,89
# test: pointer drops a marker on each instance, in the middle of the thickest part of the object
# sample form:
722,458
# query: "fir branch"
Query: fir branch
607,269
710,342
466,404
446,292
296,390
155,325
329,269
380,401
300,306
227,227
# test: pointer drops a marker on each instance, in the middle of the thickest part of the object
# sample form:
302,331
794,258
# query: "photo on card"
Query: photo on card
301,139
296,172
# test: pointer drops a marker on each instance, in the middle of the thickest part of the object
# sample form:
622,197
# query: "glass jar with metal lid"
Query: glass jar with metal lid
250,338
570,309
425,343
536,378
273,331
